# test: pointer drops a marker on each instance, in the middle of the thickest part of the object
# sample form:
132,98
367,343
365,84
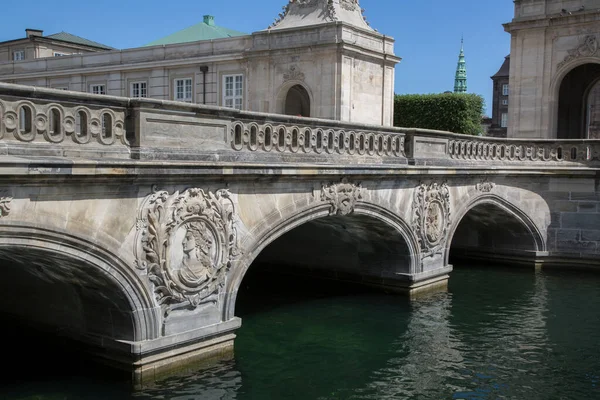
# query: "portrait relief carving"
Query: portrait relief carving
342,196
186,242
431,216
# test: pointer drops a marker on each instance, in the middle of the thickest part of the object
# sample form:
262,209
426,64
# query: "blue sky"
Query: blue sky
427,32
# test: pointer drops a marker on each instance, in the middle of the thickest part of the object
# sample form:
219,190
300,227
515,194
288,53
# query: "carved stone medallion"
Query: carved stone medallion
587,48
342,196
186,242
431,216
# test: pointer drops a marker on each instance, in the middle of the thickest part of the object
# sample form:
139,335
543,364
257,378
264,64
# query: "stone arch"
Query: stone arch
507,213
268,233
58,258
555,88
299,88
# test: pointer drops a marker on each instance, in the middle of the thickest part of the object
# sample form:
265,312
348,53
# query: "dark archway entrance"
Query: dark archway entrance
579,103
297,102
490,232
338,253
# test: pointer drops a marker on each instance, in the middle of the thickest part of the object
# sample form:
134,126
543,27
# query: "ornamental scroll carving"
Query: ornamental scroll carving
186,242
5,206
293,74
485,186
349,5
587,48
431,216
342,196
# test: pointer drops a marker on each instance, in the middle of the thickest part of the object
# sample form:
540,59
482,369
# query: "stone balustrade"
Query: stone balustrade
42,122
527,151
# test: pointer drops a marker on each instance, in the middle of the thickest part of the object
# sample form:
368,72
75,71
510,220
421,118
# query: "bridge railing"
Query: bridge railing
443,147
47,122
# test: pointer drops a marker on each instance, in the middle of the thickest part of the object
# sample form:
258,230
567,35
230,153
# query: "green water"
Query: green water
496,334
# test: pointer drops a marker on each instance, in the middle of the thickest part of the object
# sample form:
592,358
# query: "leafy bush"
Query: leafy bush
453,112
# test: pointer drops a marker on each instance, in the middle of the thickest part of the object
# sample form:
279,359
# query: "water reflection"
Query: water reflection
497,334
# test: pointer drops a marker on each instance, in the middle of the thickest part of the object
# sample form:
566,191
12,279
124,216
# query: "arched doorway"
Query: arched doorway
297,102
579,103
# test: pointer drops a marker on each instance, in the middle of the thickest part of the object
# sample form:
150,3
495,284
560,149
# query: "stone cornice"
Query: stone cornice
125,67
552,20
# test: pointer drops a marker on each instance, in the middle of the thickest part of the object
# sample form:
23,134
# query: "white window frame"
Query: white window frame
505,89
59,54
233,95
505,102
186,95
139,92
504,120
98,88
18,55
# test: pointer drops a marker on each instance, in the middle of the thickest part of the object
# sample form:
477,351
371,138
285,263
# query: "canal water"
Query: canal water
496,334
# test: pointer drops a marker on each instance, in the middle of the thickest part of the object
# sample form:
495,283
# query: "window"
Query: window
57,54
504,102
19,55
233,90
98,89
139,89
505,89
183,90
504,120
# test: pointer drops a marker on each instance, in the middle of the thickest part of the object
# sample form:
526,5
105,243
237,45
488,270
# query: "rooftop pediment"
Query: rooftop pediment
298,13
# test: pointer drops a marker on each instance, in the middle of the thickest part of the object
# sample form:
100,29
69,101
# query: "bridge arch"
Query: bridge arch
497,213
267,233
95,277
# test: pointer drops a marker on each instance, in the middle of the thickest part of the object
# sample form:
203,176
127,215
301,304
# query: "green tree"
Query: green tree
453,112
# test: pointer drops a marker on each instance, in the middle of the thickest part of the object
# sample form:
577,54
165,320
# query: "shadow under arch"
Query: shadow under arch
494,212
54,260
555,87
321,212
282,94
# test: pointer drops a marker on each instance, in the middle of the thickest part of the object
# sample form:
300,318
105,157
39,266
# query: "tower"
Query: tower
460,79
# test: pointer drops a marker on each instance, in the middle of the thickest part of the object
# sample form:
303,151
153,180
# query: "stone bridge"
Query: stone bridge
128,224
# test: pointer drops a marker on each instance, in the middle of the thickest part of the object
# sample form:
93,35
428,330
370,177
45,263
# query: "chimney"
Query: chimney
33,32
209,20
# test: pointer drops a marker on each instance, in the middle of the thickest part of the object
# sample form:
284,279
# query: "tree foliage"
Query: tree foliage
453,112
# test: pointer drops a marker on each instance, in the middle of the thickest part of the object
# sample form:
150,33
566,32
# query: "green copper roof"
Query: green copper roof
460,79
67,37
205,30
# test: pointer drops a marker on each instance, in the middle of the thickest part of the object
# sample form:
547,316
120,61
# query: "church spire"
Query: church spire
460,80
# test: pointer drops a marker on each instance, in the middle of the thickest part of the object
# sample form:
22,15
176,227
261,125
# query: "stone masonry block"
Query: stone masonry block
589,221
587,206
591,236
565,206
568,234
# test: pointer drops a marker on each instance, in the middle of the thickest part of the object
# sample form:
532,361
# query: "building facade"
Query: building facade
500,100
554,69
35,45
319,59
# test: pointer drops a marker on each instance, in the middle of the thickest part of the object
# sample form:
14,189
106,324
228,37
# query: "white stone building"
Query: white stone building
555,69
320,59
